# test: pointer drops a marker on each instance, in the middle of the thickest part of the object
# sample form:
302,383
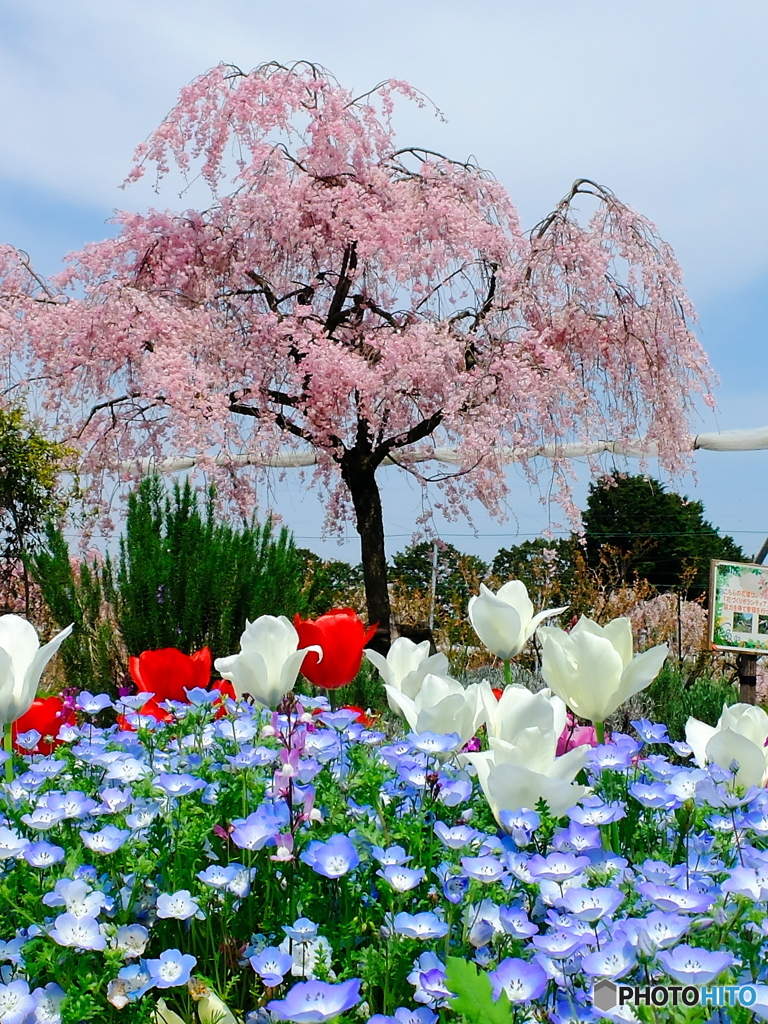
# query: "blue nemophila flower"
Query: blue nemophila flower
613,961
11,951
16,1002
520,825
217,876
419,926
434,742
658,930
333,858
131,984
28,740
742,881
557,867
127,769
616,755
180,905
402,1015
577,838
92,703
178,785
454,787
78,932
114,800
651,732
314,1002
171,968
483,869
686,901
690,965
514,921
455,888
402,878
593,810
143,814
591,904
559,945
521,980
259,829
80,899
302,930
106,840
43,817
48,1002
131,940
392,855
659,767
43,855
271,964
455,838
73,804
656,795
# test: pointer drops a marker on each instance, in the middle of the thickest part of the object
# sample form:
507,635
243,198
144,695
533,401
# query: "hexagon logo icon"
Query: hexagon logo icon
604,995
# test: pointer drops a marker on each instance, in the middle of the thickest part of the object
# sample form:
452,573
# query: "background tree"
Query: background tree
653,534
366,300
30,494
458,577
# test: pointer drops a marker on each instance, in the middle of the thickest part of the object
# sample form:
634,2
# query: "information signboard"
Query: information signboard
738,607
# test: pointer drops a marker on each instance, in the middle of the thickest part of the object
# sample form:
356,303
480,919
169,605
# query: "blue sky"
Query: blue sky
663,102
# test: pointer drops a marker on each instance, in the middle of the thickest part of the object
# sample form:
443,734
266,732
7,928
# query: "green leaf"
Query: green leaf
474,994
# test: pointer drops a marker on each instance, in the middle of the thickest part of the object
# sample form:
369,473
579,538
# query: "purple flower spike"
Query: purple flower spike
689,965
332,859
314,1002
519,979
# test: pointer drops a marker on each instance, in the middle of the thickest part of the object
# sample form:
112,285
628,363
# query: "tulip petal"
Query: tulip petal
727,747
31,679
515,593
619,632
697,736
548,613
498,625
19,638
641,671
382,665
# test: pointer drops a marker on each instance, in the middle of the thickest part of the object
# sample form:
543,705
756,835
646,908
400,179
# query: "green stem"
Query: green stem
8,745
600,731
507,672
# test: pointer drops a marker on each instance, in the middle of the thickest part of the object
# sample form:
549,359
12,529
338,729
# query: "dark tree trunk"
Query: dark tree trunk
359,474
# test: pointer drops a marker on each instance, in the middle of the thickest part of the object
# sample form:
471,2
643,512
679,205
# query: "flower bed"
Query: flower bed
217,861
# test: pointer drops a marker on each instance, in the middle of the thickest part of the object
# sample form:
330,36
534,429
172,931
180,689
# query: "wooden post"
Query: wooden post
747,668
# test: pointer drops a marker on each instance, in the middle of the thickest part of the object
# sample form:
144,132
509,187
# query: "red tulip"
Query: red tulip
362,715
497,692
167,673
342,636
46,715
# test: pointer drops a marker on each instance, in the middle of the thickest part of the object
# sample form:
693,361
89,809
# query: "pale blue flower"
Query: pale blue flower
171,968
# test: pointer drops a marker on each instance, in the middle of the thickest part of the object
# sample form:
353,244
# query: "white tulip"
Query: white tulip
268,662
22,661
517,775
442,705
739,737
504,621
518,708
406,665
592,668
